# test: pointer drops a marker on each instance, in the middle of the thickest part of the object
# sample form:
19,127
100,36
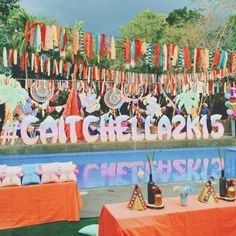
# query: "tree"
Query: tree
146,25
6,6
179,17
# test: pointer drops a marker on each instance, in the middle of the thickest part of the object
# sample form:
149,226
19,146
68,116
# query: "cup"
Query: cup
183,199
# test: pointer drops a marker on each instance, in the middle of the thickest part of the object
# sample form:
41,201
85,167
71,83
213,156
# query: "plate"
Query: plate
152,206
229,199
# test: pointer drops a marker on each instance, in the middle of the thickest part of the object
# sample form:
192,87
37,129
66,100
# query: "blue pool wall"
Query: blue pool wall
116,168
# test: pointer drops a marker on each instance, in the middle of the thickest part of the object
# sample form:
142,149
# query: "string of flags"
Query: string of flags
44,38
128,82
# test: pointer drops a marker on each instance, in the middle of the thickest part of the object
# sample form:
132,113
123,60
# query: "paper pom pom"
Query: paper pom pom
227,104
227,96
229,112
234,114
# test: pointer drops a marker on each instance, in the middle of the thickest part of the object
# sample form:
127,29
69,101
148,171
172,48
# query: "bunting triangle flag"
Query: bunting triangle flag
137,202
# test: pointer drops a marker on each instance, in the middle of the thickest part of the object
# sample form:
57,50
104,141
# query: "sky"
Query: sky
100,16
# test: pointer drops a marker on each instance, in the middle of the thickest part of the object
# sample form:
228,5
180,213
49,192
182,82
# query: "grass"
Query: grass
51,229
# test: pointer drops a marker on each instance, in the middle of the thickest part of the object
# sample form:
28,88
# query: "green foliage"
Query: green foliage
6,6
150,161
146,25
179,17
231,36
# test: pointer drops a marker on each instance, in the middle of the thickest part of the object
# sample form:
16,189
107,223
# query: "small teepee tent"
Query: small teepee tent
137,202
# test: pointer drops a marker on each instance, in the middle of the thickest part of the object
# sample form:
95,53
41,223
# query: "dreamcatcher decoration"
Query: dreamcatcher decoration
114,98
152,108
41,92
90,101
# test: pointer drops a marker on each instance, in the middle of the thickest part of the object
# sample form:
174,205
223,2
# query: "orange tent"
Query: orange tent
72,109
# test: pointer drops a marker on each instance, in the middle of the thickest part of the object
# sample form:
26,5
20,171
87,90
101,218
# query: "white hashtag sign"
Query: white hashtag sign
9,132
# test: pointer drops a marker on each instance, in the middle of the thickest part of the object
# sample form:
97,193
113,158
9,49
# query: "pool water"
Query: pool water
115,168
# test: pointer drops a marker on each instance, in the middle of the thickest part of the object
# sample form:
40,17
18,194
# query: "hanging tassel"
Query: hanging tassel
41,64
113,49
81,41
224,63
22,62
168,55
32,61
61,39
233,67
51,38
65,40
11,56
127,48
43,36
165,57
221,60
32,36
60,67
90,46
102,45
132,53
55,67
156,55
75,41
187,60
137,52
26,33
96,43
38,39
108,47
75,72
58,32
216,58
181,58
161,57
174,56
55,39
36,64
47,38
85,40
49,67
148,54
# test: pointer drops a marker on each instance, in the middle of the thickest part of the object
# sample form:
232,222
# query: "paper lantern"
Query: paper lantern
227,96
234,113
229,112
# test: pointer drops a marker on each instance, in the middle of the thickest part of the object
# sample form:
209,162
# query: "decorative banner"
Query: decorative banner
113,129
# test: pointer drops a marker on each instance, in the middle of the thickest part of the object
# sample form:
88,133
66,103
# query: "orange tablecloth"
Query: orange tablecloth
197,219
37,204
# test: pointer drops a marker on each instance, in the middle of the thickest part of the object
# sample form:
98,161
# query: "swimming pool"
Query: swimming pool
115,168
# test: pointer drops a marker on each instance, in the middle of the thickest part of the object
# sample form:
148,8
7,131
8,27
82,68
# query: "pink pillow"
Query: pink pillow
2,170
50,173
11,176
68,172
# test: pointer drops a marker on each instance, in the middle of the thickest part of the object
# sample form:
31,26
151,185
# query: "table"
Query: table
38,204
196,219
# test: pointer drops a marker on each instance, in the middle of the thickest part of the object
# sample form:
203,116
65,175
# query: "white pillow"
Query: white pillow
50,173
91,230
68,172
11,176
